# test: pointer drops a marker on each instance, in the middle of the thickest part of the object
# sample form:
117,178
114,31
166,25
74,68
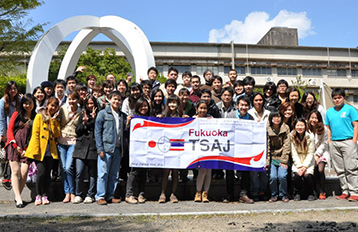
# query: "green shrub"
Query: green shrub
20,81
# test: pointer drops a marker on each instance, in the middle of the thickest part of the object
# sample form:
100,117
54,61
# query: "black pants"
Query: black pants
244,182
320,178
43,175
303,182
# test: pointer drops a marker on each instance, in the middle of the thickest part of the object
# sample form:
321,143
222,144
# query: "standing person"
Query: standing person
195,90
110,129
243,106
39,95
103,101
293,97
172,74
321,155
186,105
278,153
208,74
258,180
48,87
217,84
91,82
288,111
9,103
249,85
122,87
342,126
310,103
239,89
68,117
203,181
60,87
85,153
170,87
228,110
71,83
302,148
152,76
42,147
141,108
186,80
282,86
146,86
172,110
18,136
157,103
212,108
232,78
135,91
271,100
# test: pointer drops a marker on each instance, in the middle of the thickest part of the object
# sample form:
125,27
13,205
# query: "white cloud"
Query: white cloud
256,25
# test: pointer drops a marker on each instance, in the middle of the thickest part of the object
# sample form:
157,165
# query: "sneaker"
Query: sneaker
162,198
131,200
88,200
197,197
245,199
45,201
38,200
342,197
77,200
322,196
102,202
173,198
273,199
285,199
297,197
141,199
311,198
353,198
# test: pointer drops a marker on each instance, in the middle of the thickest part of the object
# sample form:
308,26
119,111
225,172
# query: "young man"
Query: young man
91,82
342,125
60,86
282,86
195,91
217,84
213,110
232,78
112,78
71,82
243,106
146,86
186,80
170,87
110,129
172,74
208,74
152,76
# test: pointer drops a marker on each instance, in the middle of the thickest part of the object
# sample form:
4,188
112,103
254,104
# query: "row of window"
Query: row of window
241,70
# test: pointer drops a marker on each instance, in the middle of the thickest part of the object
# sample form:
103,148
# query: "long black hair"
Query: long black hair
155,108
22,112
131,98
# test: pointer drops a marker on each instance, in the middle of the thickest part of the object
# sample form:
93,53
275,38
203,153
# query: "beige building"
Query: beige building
265,61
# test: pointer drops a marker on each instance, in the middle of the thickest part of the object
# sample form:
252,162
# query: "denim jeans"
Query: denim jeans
278,174
92,171
66,153
108,173
258,183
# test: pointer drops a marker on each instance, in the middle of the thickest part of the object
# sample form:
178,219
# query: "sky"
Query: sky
320,23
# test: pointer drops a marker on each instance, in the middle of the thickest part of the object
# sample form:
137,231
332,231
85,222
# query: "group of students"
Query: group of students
87,126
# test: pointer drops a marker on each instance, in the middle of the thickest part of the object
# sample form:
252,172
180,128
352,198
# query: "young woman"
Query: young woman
186,105
302,148
172,110
39,95
310,103
239,89
288,111
141,108
293,97
68,117
203,180
122,87
103,101
157,103
321,155
258,180
42,147
278,152
48,88
85,153
8,104
271,100
18,136
135,91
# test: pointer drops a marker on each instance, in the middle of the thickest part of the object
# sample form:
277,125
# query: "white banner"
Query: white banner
178,143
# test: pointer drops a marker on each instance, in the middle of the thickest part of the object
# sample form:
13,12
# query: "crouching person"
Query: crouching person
109,134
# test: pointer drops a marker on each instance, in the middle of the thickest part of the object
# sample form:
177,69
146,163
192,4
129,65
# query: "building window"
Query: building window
287,71
239,70
160,68
261,70
355,98
200,69
182,68
336,72
312,72
354,73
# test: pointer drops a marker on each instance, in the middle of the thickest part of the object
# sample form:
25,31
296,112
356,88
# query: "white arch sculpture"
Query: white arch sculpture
127,36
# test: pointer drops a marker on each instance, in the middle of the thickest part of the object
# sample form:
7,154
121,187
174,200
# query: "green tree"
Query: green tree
17,34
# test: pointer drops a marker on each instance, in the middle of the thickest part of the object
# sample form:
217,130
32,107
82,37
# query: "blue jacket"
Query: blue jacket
105,131
5,118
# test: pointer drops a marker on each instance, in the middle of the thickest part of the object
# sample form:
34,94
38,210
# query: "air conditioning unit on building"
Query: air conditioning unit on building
312,82
269,79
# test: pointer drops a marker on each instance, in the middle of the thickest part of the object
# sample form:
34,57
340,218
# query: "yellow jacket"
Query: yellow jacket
41,137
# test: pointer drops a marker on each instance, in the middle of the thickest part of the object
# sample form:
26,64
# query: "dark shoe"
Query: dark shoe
273,199
297,197
102,202
228,199
311,198
20,205
342,197
245,199
285,199
116,200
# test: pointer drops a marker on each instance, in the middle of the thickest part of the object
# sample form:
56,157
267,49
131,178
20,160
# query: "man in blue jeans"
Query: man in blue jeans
342,125
109,134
